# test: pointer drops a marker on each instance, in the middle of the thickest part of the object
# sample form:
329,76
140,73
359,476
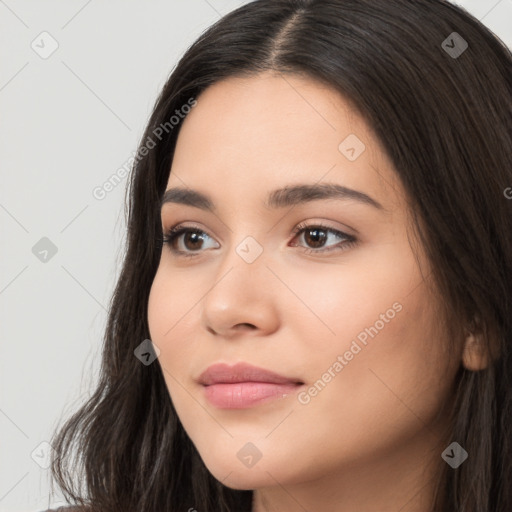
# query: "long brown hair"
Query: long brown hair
442,111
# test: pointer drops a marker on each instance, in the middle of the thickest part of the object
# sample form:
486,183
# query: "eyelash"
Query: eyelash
173,233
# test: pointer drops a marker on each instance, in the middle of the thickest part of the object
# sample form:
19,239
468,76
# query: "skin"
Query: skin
369,440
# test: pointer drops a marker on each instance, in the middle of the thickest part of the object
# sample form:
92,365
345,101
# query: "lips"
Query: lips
242,372
242,386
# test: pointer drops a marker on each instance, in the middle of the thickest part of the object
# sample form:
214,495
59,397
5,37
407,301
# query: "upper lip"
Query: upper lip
242,372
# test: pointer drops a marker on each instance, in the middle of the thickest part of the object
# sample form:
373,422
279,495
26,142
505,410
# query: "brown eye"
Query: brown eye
315,237
192,240
189,241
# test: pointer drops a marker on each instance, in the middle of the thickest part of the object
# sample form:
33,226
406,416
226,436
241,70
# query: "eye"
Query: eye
317,235
193,240
313,234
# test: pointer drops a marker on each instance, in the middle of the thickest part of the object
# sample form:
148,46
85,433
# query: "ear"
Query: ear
474,353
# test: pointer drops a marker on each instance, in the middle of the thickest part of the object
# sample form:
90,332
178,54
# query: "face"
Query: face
323,289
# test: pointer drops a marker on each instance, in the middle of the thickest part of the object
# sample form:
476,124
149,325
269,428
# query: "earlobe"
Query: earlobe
474,355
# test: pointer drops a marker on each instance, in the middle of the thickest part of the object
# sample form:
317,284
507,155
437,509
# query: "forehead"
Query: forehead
250,134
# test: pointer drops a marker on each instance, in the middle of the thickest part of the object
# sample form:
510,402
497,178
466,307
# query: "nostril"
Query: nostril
246,325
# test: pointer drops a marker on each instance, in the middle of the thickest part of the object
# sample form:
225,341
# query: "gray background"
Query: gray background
68,122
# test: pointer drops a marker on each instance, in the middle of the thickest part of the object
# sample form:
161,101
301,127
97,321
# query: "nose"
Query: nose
242,298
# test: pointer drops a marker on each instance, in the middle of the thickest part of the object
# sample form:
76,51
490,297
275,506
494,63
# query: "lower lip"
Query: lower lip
241,395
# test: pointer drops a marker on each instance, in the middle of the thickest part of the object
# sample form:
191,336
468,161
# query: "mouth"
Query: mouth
243,385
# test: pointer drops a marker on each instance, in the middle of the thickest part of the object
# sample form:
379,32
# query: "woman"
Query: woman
314,311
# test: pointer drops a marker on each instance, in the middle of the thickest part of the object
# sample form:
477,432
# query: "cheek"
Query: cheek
391,367
170,313
331,305
370,335
169,326
160,309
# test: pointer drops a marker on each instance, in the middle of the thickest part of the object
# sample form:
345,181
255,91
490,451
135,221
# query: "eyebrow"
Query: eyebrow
280,198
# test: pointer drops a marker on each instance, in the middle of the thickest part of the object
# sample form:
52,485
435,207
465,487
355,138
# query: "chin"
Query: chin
240,478
245,480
